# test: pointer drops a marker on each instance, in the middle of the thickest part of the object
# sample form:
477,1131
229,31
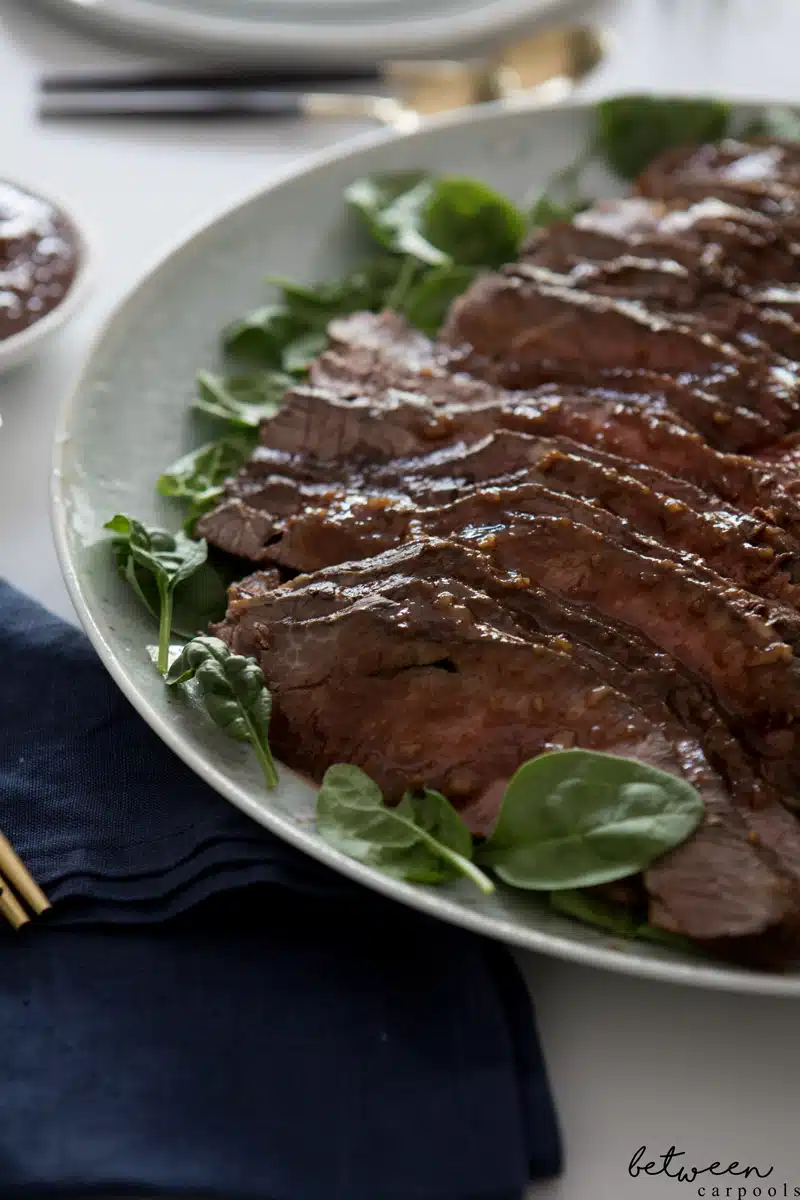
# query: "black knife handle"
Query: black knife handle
186,104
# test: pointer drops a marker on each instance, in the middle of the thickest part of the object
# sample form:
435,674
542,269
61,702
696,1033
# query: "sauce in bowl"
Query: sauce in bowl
39,258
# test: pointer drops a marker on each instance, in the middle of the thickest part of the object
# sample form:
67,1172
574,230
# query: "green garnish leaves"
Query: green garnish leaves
168,559
393,207
260,337
630,131
426,303
439,221
615,919
576,818
233,693
242,401
472,223
591,910
422,840
198,477
548,211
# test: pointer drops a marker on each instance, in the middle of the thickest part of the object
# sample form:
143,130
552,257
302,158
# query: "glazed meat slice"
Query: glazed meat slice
325,426
743,650
720,246
350,373
259,503
370,353
515,328
763,176
357,524
447,627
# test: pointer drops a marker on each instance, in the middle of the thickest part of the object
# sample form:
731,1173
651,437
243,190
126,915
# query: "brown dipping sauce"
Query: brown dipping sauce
39,258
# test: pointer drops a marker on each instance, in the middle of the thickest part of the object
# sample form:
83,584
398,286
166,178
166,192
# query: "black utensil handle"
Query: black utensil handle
186,104
225,78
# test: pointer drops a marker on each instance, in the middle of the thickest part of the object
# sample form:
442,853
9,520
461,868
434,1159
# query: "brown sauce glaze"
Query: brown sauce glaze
39,258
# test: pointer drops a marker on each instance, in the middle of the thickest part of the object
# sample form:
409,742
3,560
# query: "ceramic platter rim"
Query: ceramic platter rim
538,930
464,22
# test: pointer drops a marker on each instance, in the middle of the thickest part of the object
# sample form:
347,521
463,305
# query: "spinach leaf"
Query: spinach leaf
547,211
574,818
779,124
242,401
393,206
364,289
198,477
622,922
439,221
422,840
299,354
168,558
196,602
427,302
473,224
630,131
259,338
591,910
233,692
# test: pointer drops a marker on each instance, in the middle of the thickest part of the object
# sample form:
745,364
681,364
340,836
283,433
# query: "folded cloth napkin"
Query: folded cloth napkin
207,1012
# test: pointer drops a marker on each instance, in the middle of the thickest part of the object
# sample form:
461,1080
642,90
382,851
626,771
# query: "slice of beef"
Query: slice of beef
351,374
657,503
725,247
763,176
339,636
721,635
511,328
695,297
326,425
371,353
356,525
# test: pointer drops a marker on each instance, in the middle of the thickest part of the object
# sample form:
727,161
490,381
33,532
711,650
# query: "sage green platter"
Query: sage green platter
129,417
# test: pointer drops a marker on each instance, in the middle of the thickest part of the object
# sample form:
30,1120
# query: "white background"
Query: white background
632,1063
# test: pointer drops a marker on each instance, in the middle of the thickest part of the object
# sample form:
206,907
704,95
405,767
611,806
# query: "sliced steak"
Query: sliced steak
356,525
371,353
721,246
513,328
756,175
394,645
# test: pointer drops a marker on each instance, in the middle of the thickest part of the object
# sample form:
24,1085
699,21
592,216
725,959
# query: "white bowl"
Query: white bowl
22,346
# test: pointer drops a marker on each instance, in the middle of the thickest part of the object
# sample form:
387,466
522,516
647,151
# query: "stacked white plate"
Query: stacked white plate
326,30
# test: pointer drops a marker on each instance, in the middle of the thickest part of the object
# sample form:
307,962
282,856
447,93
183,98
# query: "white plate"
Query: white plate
347,30
128,418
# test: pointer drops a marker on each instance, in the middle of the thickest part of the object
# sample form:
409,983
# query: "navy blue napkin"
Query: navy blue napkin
209,1013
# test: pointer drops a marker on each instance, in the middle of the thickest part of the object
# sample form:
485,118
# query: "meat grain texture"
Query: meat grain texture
572,520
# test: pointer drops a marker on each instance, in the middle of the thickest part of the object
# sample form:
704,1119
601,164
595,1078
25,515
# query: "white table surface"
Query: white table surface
632,1063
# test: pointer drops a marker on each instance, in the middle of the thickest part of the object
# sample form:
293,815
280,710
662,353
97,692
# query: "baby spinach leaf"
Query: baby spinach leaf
196,602
259,338
546,210
574,818
394,207
233,692
427,302
364,289
168,558
198,477
473,225
242,401
779,124
422,840
622,922
630,131
439,221
591,910
299,354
